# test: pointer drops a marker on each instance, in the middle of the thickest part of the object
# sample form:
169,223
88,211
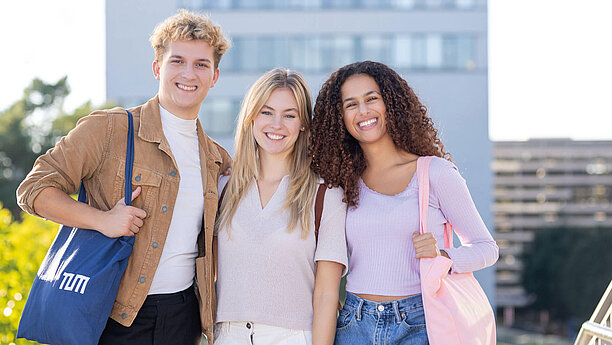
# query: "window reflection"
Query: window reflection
321,4
327,53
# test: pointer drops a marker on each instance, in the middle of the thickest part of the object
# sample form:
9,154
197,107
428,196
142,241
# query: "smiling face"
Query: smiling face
363,109
277,125
185,75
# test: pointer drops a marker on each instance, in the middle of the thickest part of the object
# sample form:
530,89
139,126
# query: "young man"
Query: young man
175,173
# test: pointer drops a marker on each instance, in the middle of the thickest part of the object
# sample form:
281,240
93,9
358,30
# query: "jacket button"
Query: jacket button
142,279
164,209
137,178
173,173
124,316
248,325
154,244
381,307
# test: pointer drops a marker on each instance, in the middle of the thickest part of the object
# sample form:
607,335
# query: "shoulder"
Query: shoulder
115,118
333,197
441,167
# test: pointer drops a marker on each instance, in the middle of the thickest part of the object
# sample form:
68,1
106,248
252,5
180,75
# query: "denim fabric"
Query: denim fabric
387,323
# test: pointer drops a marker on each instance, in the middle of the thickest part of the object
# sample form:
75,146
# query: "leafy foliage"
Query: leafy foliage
29,127
568,270
23,245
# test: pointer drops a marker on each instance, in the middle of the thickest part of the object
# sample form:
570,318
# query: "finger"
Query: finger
138,212
138,222
134,229
136,193
425,240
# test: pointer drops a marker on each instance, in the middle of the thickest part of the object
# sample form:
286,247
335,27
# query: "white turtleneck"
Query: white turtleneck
176,269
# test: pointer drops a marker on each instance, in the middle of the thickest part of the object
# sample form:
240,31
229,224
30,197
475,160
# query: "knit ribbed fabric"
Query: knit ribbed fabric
379,233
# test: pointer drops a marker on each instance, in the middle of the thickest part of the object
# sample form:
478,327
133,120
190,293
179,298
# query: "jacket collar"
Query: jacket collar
150,129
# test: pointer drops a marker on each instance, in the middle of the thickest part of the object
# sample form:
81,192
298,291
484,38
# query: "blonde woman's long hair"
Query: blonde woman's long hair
246,169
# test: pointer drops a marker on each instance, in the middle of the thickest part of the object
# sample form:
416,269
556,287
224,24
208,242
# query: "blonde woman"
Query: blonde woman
277,282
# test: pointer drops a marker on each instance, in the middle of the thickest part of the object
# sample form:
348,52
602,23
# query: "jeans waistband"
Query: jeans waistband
395,308
171,298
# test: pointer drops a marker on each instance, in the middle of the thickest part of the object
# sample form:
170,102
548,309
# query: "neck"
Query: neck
273,167
185,114
384,154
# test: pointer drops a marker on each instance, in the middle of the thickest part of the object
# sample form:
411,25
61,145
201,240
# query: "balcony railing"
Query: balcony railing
598,330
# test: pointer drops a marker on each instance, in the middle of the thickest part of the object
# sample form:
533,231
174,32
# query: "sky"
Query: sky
550,61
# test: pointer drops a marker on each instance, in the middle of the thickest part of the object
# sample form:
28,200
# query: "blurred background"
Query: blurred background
517,89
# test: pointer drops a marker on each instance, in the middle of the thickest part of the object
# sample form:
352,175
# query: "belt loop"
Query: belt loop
358,310
398,318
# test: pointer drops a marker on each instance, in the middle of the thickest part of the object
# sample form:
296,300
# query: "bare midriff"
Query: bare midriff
379,298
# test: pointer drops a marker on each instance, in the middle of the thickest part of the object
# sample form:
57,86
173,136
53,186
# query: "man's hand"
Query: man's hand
123,220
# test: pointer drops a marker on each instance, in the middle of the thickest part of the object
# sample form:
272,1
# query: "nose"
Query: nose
363,108
188,71
277,121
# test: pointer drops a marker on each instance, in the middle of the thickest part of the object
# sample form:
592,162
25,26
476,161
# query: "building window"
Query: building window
323,4
376,48
326,53
218,116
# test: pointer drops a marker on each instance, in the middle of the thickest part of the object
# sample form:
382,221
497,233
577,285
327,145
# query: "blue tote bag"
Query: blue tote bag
77,283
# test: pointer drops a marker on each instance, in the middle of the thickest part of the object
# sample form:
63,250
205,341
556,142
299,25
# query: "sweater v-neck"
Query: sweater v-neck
275,202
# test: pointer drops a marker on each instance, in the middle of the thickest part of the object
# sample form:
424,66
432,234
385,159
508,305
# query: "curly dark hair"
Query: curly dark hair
337,156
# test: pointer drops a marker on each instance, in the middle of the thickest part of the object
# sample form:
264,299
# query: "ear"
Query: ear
156,67
215,78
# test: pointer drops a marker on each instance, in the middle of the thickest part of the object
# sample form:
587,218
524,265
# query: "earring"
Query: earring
302,129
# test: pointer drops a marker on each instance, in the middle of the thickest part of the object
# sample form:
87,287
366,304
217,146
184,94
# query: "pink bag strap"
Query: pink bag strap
423,178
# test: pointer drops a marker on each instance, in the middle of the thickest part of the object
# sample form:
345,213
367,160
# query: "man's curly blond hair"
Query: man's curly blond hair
186,25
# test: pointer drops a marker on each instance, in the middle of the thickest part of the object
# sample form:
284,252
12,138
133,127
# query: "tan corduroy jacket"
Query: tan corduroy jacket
94,151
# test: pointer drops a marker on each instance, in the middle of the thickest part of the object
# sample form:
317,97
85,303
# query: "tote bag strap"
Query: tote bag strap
320,199
423,179
129,163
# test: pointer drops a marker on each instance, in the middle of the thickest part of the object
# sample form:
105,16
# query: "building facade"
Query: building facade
545,183
438,46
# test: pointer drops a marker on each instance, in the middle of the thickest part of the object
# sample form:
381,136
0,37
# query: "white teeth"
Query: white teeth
274,136
367,123
185,87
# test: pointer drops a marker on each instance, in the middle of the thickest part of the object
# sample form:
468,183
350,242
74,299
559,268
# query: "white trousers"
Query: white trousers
251,333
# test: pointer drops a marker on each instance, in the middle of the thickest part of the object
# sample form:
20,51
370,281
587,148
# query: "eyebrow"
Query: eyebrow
364,95
180,57
288,109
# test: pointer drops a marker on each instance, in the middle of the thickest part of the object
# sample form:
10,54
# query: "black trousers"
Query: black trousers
164,319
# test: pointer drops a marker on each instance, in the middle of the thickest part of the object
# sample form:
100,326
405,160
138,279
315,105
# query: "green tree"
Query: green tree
567,270
23,245
29,127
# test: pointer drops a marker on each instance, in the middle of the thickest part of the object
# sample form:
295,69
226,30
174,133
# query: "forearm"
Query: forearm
324,321
55,205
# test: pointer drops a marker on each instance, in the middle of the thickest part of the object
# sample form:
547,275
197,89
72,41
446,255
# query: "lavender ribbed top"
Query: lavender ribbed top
379,233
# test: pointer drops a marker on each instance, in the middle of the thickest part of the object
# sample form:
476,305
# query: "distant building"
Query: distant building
540,184
438,46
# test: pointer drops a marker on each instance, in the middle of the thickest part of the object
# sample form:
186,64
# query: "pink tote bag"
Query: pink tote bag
457,310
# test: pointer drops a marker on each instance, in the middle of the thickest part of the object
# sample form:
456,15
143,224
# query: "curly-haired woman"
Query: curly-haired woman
369,129
276,280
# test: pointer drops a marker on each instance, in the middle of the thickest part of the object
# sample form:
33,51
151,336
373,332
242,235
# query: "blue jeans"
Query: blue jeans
387,323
